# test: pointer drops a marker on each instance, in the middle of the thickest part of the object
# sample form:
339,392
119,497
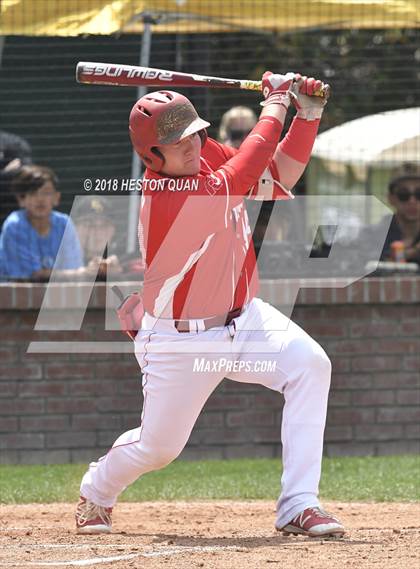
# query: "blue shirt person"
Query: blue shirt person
36,238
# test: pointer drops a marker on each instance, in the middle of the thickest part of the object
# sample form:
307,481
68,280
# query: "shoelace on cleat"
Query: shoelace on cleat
320,513
89,511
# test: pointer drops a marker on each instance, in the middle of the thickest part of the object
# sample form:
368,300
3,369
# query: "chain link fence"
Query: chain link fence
81,131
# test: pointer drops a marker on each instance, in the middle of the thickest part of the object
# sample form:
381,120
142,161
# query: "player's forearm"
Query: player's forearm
294,151
277,111
257,149
299,140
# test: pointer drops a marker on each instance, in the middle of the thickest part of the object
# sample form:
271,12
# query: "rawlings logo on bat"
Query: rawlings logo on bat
110,70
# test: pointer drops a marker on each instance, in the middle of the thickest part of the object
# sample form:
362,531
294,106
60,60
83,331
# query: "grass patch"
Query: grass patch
378,479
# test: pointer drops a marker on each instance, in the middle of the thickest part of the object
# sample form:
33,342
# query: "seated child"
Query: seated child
36,238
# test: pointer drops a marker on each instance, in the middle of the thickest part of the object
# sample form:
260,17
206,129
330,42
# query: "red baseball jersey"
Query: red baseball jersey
194,232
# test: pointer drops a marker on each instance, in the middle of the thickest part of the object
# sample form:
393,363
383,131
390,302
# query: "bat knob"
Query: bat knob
325,92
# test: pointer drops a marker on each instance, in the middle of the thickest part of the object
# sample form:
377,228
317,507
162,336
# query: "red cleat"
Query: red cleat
91,518
314,522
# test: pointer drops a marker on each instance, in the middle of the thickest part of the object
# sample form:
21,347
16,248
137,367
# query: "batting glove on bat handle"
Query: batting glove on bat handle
276,88
313,87
309,97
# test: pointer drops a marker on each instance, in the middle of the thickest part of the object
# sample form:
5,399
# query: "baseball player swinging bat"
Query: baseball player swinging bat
199,296
133,75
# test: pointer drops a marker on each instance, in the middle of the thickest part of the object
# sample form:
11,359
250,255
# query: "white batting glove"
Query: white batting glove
276,88
309,106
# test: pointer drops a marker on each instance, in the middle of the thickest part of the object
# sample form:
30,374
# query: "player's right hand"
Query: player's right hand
306,97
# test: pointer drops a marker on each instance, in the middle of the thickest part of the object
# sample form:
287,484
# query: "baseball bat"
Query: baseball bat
134,75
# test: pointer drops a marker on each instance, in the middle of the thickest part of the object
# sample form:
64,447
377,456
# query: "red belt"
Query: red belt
223,320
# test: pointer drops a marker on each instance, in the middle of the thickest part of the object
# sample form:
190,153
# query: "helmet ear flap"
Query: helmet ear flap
154,160
160,160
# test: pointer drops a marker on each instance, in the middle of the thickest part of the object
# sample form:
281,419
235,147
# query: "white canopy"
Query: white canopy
379,139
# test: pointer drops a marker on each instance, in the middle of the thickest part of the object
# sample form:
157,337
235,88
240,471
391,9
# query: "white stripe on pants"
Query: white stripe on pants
174,396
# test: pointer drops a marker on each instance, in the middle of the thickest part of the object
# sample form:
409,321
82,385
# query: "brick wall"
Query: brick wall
66,407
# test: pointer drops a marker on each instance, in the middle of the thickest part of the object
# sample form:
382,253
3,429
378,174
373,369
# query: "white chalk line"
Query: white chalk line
69,545
126,557
83,562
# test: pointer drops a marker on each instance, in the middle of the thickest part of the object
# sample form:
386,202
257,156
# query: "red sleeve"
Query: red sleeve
288,163
245,168
237,170
300,139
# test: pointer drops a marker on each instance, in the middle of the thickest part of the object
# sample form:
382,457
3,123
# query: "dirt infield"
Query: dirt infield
221,535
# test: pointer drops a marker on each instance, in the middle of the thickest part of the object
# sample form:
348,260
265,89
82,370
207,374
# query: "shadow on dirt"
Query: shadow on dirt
246,542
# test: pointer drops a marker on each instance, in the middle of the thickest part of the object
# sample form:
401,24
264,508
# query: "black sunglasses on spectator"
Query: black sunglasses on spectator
404,194
236,134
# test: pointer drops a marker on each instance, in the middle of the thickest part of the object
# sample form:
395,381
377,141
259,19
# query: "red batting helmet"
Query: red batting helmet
159,118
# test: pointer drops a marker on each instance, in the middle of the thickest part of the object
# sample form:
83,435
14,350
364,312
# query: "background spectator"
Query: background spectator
92,217
31,237
404,197
403,238
15,152
235,125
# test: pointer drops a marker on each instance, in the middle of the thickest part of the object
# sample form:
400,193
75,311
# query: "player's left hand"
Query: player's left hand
306,97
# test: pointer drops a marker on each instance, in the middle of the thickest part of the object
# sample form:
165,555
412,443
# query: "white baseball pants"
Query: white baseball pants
174,395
